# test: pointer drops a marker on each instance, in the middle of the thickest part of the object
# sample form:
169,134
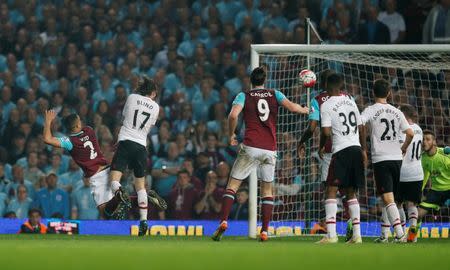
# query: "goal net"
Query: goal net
419,75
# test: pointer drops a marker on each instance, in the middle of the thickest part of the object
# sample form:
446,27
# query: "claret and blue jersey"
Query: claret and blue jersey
260,109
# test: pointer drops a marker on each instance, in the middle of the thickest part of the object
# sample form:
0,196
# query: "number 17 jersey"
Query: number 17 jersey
386,123
342,115
139,115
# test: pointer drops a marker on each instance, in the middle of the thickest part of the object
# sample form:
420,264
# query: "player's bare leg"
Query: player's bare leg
354,209
266,208
139,185
330,216
227,202
413,215
394,216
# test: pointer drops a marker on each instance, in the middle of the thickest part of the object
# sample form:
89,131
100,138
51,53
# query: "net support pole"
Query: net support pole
308,58
253,181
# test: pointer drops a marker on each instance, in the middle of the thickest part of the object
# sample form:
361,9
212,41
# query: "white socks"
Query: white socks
402,214
394,219
353,207
385,224
142,202
413,214
330,217
115,185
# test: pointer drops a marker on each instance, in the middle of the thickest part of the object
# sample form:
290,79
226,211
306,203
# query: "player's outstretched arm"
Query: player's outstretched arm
50,115
409,137
232,123
294,107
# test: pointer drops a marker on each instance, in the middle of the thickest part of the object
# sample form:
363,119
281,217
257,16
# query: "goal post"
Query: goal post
419,75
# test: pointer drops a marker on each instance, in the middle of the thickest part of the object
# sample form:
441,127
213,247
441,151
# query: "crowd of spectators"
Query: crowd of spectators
86,56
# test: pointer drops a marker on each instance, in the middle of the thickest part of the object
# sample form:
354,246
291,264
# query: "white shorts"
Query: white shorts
250,158
324,166
100,187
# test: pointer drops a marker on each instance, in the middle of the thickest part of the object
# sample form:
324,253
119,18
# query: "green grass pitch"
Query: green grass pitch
126,252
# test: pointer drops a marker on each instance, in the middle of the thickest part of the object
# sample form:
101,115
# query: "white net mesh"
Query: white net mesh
420,79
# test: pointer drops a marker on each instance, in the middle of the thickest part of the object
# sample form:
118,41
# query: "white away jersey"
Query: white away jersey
342,115
139,115
412,164
387,123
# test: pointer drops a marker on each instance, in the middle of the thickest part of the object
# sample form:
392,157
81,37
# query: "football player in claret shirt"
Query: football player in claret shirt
258,151
84,149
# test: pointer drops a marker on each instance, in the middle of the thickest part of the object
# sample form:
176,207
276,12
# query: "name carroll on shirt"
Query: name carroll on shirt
262,95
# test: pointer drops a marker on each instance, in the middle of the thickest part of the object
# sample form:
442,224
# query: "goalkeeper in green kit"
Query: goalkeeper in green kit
436,165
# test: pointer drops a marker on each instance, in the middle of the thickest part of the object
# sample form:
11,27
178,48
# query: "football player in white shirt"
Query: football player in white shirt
340,119
139,116
386,124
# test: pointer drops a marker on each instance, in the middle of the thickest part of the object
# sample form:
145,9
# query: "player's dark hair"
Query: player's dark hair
409,111
324,76
183,171
381,88
70,121
258,76
34,210
429,132
146,86
334,81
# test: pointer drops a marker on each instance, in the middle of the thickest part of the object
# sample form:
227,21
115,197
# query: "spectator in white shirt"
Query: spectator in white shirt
394,21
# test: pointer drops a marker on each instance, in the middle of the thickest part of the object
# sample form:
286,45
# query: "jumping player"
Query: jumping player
139,116
258,151
387,123
340,119
83,147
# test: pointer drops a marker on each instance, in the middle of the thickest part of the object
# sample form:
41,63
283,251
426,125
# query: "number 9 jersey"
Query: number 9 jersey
260,108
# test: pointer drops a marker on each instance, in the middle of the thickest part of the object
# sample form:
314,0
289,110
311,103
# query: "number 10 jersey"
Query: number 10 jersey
412,165
139,115
342,115
387,124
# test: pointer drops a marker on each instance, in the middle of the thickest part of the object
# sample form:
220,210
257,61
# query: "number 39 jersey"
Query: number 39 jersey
139,115
342,115
387,123
412,164
85,151
260,108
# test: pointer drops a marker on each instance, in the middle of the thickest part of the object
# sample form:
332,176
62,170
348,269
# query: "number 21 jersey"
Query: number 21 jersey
139,115
386,123
342,115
